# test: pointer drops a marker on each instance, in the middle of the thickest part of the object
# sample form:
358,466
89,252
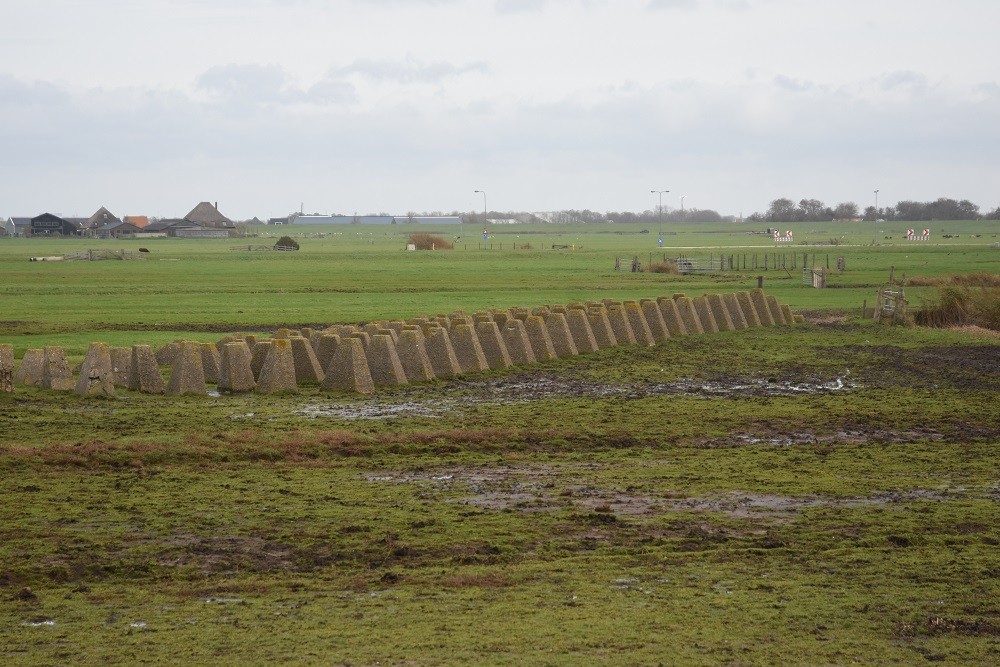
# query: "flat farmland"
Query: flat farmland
824,493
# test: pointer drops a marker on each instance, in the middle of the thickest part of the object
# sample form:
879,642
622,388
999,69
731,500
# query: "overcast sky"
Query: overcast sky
150,106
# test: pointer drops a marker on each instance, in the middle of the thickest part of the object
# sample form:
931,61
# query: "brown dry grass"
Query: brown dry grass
962,305
662,267
429,242
978,279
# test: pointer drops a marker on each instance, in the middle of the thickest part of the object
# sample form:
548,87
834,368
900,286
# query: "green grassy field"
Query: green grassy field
818,494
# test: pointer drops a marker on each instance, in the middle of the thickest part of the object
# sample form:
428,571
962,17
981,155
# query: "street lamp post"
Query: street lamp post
875,221
682,205
660,193
483,193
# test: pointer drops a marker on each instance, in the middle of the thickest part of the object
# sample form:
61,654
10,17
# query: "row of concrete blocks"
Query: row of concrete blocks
359,359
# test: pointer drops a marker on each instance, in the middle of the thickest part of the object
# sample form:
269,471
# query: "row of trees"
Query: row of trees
813,210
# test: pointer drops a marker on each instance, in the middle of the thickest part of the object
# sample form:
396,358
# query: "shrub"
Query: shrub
525,246
429,242
662,267
286,243
962,305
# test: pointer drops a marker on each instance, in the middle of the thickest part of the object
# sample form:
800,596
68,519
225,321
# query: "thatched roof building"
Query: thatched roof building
208,214
102,217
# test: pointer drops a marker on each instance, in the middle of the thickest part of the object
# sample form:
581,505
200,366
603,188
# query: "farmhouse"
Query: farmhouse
116,230
139,221
48,224
376,219
207,214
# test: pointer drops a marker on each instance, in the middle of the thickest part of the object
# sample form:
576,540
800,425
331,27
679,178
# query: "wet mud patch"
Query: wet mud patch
220,554
973,367
435,402
857,435
529,489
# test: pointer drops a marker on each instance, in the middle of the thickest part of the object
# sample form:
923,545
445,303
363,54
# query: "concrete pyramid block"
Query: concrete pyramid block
719,313
775,307
749,312
468,350
349,369
229,338
441,353
559,333
580,330
29,373
501,317
314,340
384,364
235,374
144,372
96,376
601,326
186,373
413,356
121,365
362,336
307,367
516,339
258,355
786,312
643,336
538,335
704,311
286,333
210,360
328,343
689,316
759,300
278,373
654,318
620,324
735,311
492,344
6,368
56,374
671,316
165,355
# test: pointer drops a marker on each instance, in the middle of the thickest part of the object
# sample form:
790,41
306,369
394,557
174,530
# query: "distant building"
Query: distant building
48,224
116,230
17,226
207,214
100,218
139,221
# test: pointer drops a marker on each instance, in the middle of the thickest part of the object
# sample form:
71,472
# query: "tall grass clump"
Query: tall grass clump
662,267
960,306
424,241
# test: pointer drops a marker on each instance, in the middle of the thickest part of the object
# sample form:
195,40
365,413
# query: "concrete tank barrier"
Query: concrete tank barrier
735,312
562,339
55,371
235,374
704,311
776,313
539,339
654,319
307,367
413,356
786,312
186,374
165,355
671,316
600,325
29,373
384,365
349,369
640,328
210,359
258,355
144,372
121,365
719,312
580,330
6,368
620,325
760,305
689,316
96,376
494,349
749,312
278,373
440,352
328,343
518,342
468,350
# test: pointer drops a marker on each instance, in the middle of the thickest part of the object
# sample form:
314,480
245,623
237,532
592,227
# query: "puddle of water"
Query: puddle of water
39,622
137,624
224,600
378,410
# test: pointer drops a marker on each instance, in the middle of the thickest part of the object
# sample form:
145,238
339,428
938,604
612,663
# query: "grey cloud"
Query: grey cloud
245,82
905,80
515,6
792,85
408,71
672,4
